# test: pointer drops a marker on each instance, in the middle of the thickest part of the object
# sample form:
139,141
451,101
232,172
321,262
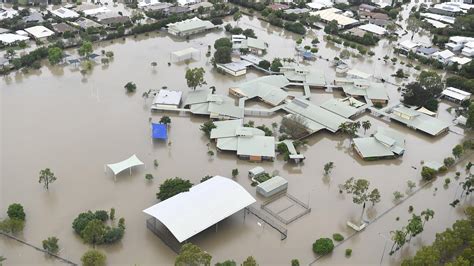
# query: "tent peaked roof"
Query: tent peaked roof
125,164
205,204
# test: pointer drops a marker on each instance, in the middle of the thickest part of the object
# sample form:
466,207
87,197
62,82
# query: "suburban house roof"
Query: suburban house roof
255,43
64,13
63,27
33,17
256,146
373,29
362,87
333,14
39,32
272,183
168,97
457,94
96,11
85,23
9,38
198,208
191,24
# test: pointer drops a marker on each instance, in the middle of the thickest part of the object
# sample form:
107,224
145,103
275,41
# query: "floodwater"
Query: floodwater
56,118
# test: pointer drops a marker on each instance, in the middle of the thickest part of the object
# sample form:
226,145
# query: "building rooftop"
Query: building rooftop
64,13
373,29
256,146
63,27
272,183
457,94
168,97
198,208
39,31
9,38
267,88
339,107
385,142
191,24
333,14
418,120
86,23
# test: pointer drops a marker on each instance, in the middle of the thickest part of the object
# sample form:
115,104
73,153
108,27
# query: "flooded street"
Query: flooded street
56,118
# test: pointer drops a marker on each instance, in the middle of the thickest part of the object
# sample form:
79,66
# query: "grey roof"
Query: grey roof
225,129
338,107
267,88
191,25
86,23
297,11
385,142
317,116
427,50
256,146
2,30
360,87
236,66
418,120
273,183
433,165
197,96
304,74
63,27
113,20
33,17
257,170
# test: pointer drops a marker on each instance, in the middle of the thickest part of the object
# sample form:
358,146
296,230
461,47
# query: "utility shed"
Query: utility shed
272,186
167,98
190,26
456,95
256,171
185,54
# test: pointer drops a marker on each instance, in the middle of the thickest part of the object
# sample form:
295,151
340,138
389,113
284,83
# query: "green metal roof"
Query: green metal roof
256,146
338,107
369,147
419,121
267,88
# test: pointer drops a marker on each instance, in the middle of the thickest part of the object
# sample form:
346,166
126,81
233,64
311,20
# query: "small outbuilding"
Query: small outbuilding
167,98
455,95
256,171
272,186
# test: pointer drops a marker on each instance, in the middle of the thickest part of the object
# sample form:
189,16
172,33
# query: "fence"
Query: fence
300,205
164,234
268,220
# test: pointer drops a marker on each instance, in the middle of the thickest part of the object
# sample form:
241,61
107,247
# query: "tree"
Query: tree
328,168
207,127
470,117
458,151
192,255
227,263
12,225
10,53
235,172
449,161
276,64
130,87
112,214
249,33
323,246
85,49
94,232
417,95
359,188
294,126
51,244
264,64
93,258
295,262
222,42
223,55
411,185
237,15
15,211
165,120
399,239
332,27
366,125
413,25
154,64
428,173
46,177
431,81
250,261
427,215
195,77
415,226
109,54
55,55
397,195
173,186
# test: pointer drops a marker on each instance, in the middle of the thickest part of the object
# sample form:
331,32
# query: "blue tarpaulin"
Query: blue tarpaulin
159,131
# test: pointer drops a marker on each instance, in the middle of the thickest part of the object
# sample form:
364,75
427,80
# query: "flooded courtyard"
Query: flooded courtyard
57,118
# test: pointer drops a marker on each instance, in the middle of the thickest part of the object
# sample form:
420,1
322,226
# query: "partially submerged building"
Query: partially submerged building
236,69
268,89
455,95
39,32
167,99
386,143
272,186
204,102
343,107
190,26
304,76
372,92
418,121
249,143
330,14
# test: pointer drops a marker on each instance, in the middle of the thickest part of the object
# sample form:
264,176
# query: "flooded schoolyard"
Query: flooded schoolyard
57,118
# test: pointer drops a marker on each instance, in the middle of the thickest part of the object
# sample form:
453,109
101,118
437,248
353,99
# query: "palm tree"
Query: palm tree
414,227
366,125
427,214
399,239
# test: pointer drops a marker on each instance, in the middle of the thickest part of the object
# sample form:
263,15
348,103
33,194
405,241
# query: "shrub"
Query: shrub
93,258
51,244
348,252
235,172
295,262
337,237
173,186
81,221
149,177
12,225
410,209
428,173
15,211
113,235
449,161
323,246
447,181
101,215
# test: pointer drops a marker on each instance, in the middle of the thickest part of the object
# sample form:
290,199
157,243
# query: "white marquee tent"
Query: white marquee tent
188,213
125,164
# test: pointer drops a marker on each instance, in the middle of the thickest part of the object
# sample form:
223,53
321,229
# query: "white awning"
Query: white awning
204,205
125,164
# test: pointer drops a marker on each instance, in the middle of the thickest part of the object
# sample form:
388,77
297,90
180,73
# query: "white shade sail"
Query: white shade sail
188,213
125,164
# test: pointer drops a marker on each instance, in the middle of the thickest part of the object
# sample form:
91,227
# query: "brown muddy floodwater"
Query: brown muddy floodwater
74,125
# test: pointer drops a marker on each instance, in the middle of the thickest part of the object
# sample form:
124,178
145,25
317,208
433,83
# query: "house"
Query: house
239,41
385,143
357,74
455,95
426,52
33,17
277,7
456,43
10,38
443,56
468,49
39,32
408,46
235,69
440,18
331,14
190,26
372,28
167,99
297,11
112,19
319,4
255,46
446,10
85,23
204,102
356,32
272,186
159,7
205,5
3,30
187,2
436,24
418,120
460,61
7,13
256,171
367,8
96,11
304,75
144,4
249,143
62,27
372,15
65,13
342,107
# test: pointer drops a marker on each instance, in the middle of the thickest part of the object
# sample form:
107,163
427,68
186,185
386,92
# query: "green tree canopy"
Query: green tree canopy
85,49
16,211
173,186
250,261
195,77
323,246
223,42
192,255
93,258
223,55
46,177
55,55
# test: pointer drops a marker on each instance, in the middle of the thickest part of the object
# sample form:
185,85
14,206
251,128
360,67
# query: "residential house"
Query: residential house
374,92
443,56
408,46
33,17
7,13
39,32
366,8
374,29
62,28
460,61
206,6
456,43
331,14
426,52
319,4
418,120
190,26
468,49
455,95
167,99
85,23
65,13
446,10
112,19
235,69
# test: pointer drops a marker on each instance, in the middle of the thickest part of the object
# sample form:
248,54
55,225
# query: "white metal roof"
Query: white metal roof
39,31
460,60
9,38
332,14
408,44
205,204
65,13
125,164
373,28
445,54
168,97
96,11
456,94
